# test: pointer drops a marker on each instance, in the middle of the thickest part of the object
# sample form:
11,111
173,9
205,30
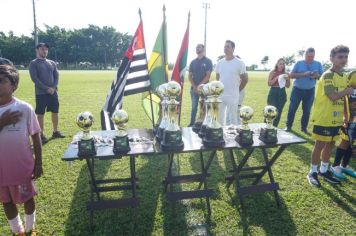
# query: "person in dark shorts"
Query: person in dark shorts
199,73
327,115
44,74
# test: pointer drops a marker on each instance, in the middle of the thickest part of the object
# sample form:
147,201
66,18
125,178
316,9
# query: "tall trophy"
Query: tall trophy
163,119
214,135
172,134
207,116
198,123
86,147
269,133
244,134
121,140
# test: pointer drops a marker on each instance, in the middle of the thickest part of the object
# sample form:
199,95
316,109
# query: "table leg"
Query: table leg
269,170
237,168
207,166
204,172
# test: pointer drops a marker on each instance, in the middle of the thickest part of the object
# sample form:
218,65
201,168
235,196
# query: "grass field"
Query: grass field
64,189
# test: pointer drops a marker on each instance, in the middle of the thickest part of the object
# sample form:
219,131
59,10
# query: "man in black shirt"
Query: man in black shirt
199,73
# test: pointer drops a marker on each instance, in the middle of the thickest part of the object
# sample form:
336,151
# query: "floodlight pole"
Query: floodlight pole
34,22
206,6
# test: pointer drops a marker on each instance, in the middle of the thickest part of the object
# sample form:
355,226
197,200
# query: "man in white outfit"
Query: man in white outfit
231,71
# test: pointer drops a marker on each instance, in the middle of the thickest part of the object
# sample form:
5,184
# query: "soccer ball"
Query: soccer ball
85,120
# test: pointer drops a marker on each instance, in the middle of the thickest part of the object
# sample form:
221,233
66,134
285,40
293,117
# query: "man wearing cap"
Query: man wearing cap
44,74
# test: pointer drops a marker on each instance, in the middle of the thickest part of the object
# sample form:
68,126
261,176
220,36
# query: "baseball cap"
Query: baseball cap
4,61
39,45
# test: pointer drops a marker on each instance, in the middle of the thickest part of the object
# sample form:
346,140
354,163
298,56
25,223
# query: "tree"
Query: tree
264,61
289,60
326,65
251,67
300,53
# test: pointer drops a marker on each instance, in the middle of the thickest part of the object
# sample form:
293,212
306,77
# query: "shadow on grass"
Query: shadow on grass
261,209
118,221
339,201
174,213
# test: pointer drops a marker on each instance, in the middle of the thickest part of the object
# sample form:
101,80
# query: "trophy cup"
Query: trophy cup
244,134
269,134
198,123
121,140
163,119
172,134
214,136
207,118
86,147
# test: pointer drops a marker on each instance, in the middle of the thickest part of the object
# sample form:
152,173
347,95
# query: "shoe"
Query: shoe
349,171
328,176
44,139
337,172
288,129
58,134
313,179
305,131
32,232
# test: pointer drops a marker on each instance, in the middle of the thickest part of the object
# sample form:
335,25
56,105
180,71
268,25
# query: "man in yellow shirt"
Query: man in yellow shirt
327,114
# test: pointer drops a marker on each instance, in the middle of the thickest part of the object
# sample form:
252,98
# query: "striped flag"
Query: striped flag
132,77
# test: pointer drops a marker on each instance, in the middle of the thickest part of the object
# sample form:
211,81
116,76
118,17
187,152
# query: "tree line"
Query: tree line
92,47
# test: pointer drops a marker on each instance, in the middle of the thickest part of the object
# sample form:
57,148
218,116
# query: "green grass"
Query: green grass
64,189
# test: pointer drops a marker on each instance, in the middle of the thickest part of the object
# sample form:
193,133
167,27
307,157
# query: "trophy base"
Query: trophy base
159,133
172,141
121,145
214,138
268,136
244,137
86,148
202,131
197,126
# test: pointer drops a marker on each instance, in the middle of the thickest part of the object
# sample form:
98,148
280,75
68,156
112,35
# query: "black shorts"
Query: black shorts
48,101
326,134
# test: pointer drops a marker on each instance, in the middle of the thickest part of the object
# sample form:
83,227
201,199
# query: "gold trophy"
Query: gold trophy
269,134
86,147
214,136
244,134
172,134
198,123
121,140
163,119
207,118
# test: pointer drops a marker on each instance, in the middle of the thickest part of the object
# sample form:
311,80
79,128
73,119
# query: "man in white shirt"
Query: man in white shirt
231,71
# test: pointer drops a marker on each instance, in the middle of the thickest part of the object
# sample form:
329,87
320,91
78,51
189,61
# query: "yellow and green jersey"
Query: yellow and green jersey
324,111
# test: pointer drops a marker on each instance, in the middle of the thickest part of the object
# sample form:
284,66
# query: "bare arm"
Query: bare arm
244,80
206,78
190,76
272,79
37,147
217,76
333,96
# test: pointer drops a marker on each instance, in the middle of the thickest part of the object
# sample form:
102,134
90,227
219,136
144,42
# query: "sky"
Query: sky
273,28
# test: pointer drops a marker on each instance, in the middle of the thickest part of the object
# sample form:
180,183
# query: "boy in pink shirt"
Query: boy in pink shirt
18,165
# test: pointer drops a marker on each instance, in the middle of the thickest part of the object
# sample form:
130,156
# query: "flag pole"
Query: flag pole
153,118
164,43
181,94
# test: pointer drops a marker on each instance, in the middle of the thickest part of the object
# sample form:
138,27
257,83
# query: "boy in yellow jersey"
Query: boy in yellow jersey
348,136
327,114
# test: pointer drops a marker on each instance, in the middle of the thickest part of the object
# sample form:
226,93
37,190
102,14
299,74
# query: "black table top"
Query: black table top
142,142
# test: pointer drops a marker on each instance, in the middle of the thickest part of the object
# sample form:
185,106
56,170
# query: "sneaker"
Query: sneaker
337,172
44,139
313,179
32,232
349,171
58,134
328,176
